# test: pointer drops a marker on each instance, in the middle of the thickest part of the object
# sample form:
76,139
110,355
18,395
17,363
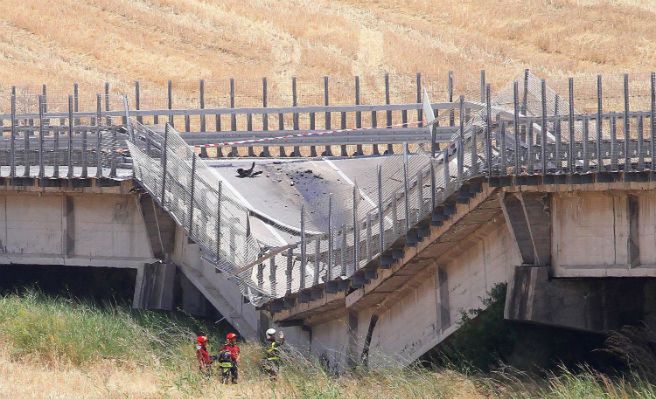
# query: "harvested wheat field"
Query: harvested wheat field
153,41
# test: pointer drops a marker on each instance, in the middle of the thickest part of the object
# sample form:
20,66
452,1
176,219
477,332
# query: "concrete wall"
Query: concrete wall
72,229
599,234
425,316
223,293
429,309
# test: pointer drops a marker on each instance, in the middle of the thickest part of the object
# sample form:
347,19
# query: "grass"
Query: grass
54,347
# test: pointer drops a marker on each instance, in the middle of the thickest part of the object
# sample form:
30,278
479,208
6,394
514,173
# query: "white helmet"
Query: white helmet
270,332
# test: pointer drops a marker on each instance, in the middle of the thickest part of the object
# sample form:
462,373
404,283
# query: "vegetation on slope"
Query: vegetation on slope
54,347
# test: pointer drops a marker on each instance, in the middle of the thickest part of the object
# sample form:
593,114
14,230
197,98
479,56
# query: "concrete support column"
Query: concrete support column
443,319
528,216
154,286
352,351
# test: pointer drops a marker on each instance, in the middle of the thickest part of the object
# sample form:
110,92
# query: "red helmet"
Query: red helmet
231,336
201,339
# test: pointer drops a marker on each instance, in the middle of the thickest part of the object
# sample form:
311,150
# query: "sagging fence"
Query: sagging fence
411,191
526,129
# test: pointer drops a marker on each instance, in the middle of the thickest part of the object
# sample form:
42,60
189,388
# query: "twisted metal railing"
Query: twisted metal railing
497,142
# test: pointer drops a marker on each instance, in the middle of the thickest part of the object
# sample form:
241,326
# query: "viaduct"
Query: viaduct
370,246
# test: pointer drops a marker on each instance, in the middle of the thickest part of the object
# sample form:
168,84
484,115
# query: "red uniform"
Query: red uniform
203,357
234,351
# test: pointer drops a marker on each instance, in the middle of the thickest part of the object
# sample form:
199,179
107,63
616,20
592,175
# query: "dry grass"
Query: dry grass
45,353
120,41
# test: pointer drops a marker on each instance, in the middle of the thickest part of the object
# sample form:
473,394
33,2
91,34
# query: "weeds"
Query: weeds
123,353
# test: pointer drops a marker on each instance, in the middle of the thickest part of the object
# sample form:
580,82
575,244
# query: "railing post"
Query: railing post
502,150
586,157
317,251
525,97
516,125
164,161
109,119
219,200
543,155
368,238
297,150
327,116
265,116
388,114
329,274
12,169
356,230
641,155
600,162
288,271
303,249
99,171
571,161
381,213
84,154
233,117
613,142
343,251
529,153
42,132
169,100
201,103
260,275
445,169
627,138
358,114
488,131
273,278
433,185
71,122
395,214
652,121
461,140
406,187
420,195
191,195
76,101
452,116
558,139
419,110
137,99
483,86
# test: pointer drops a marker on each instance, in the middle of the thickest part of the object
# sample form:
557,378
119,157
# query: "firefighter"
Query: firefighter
203,356
232,349
271,361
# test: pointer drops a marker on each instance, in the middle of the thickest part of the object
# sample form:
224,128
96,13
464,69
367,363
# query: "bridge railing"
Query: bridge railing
69,145
411,192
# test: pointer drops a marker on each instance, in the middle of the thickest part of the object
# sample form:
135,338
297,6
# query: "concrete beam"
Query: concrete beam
537,210
159,226
528,217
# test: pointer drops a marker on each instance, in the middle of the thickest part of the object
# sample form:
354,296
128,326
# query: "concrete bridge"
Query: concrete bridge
347,253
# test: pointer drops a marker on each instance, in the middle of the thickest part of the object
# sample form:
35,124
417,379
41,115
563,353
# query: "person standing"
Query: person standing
232,348
271,361
203,356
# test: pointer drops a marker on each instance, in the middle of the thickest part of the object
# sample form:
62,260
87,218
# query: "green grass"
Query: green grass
77,334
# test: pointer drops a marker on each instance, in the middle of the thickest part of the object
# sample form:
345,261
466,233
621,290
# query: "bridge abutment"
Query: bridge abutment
589,304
